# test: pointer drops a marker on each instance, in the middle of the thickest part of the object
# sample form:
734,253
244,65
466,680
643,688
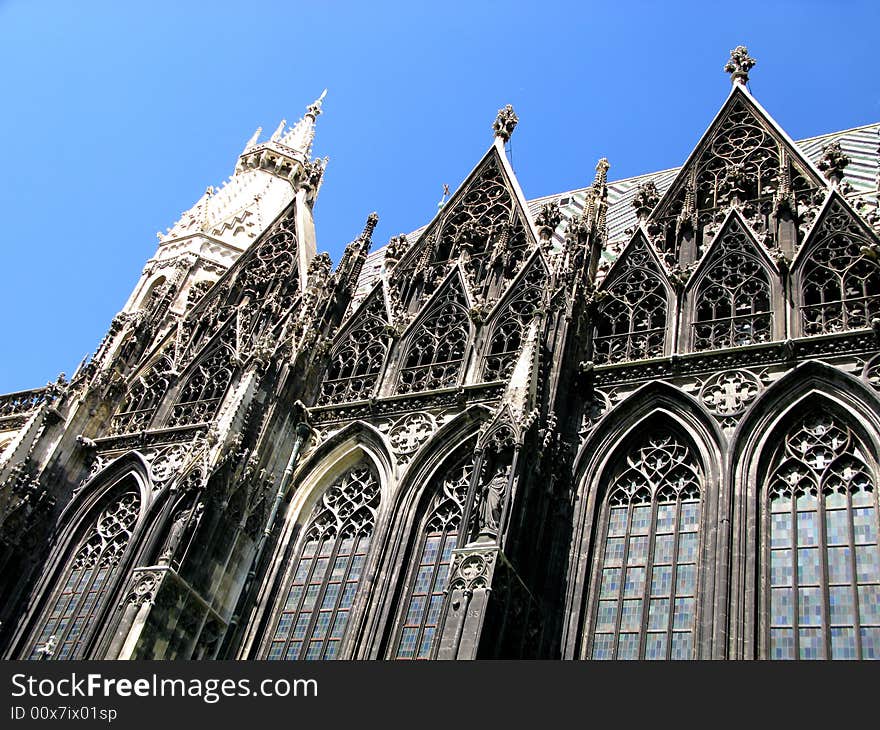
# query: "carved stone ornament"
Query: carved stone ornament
410,432
739,65
730,392
505,122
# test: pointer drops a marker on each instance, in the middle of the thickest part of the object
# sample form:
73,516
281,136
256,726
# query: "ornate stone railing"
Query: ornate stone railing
24,401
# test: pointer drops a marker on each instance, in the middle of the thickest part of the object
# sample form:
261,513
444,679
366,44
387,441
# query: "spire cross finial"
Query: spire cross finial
315,107
505,123
739,65
602,167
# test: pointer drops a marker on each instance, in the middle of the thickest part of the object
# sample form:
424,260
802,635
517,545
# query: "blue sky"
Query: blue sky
118,115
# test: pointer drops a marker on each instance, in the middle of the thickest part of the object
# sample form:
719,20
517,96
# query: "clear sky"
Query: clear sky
118,115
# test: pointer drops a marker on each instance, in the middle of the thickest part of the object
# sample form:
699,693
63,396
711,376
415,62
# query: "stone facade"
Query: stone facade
637,420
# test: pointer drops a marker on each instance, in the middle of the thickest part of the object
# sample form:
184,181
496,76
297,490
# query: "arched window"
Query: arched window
821,559
317,601
429,571
841,288
356,361
506,338
200,396
733,300
436,352
143,398
645,583
631,324
80,591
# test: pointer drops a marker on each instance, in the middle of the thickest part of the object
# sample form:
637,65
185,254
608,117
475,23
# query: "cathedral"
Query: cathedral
637,420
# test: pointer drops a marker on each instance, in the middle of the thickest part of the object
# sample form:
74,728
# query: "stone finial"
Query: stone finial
549,217
833,162
602,168
370,226
645,199
315,107
739,65
505,123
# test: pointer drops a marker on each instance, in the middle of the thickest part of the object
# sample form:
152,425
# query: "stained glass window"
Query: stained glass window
823,563
645,590
430,571
317,603
82,588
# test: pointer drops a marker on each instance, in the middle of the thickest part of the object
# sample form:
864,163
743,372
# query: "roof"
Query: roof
862,174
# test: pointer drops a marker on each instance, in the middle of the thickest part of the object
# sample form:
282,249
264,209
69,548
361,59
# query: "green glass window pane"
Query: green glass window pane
687,547
628,646
869,605
302,623
407,646
310,548
682,646
339,566
782,644
293,650
311,596
843,643
663,548
606,615
631,615
314,650
781,568
634,585
781,607
864,525
658,614
867,563
840,602
614,551
683,617
780,503
321,625
448,547
661,580
812,644
638,551
330,595
837,527
835,500
293,596
863,498
332,650
665,518
603,646
276,651
809,607
283,628
423,579
416,610
610,583
839,565
348,595
686,580
339,624
617,522
425,643
807,529
655,646
805,501
690,516
780,530
641,520
808,566
432,548
441,578
870,642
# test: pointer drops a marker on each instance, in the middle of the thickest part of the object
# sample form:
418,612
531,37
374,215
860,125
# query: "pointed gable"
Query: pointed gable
837,272
732,291
744,156
485,223
631,322
359,352
437,341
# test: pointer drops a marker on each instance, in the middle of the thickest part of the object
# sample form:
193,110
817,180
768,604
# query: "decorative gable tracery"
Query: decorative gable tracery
356,360
631,321
742,162
143,398
436,349
199,397
840,287
733,301
505,340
